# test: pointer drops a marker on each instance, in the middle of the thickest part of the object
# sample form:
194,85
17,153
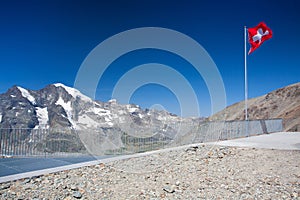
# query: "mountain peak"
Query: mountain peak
112,101
26,94
73,92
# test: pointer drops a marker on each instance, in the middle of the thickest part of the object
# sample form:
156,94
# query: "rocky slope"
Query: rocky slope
282,103
199,172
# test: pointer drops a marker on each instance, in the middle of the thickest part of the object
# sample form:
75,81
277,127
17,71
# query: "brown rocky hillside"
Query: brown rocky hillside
282,103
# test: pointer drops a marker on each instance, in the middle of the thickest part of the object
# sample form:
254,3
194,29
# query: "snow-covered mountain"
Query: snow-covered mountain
61,107
58,105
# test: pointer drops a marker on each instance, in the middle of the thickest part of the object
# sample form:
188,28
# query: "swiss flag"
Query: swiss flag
257,35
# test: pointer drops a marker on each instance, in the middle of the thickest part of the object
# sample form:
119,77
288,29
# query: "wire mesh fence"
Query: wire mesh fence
39,142
70,142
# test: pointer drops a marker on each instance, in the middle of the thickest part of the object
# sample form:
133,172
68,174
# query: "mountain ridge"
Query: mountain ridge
60,106
281,103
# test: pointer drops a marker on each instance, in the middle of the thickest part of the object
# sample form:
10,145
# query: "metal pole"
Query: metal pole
246,80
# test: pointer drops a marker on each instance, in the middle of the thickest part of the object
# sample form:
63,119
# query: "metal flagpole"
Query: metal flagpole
246,80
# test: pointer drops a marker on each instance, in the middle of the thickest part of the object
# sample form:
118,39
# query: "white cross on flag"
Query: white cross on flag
257,35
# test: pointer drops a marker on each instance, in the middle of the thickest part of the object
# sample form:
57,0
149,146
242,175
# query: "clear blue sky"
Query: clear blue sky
44,42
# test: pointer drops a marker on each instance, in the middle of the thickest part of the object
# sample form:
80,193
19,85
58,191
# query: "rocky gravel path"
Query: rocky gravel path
199,172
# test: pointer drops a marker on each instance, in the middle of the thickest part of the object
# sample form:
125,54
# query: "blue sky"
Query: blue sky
44,42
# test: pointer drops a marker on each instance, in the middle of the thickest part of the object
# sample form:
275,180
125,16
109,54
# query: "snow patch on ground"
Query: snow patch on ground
161,118
121,112
122,119
112,101
86,120
68,108
131,109
42,115
107,119
115,116
72,91
0,118
13,95
110,123
91,123
27,95
100,111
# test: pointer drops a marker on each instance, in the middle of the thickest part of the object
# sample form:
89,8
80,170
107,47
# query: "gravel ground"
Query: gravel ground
199,172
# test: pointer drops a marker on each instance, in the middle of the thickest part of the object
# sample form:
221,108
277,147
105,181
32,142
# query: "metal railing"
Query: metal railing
69,142
39,142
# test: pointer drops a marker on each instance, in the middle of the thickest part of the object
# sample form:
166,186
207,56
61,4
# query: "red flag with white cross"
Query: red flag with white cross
258,35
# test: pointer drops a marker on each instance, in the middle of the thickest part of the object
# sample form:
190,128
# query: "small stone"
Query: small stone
142,192
64,176
102,165
74,188
162,195
147,177
220,156
169,189
5,186
26,181
178,191
153,194
177,183
243,196
77,195
28,187
46,181
38,180
192,148
64,187
295,195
